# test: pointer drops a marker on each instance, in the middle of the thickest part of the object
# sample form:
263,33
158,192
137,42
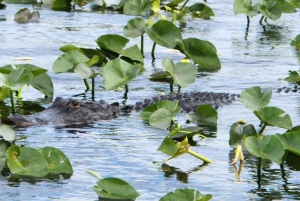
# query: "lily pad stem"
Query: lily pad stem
171,85
20,93
86,85
126,91
142,44
205,160
93,89
12,102
261,19
152,52
262,128
248,21
182,7
259,171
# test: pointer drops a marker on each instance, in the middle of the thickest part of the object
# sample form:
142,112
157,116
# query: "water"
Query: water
126,147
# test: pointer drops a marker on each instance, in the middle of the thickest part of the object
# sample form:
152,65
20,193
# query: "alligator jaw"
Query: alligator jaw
20,120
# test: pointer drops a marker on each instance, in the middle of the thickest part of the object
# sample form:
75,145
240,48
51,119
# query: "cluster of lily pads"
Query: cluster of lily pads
294,76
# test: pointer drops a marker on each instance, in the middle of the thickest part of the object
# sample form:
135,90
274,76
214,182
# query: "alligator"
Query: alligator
69,110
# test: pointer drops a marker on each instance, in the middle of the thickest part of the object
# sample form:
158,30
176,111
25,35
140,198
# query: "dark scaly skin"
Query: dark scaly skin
69,110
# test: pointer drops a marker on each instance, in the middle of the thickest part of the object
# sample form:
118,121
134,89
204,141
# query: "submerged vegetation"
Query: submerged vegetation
119,64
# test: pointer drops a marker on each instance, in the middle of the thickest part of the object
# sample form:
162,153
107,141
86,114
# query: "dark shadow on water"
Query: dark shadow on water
180,175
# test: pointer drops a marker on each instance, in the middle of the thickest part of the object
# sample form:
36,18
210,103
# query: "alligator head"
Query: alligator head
68,111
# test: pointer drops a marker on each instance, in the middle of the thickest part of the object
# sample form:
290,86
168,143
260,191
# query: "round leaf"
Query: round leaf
67,61
83,70
168,147
58,162
133,53
112,42
118,73
7,132
275,117
290,141
115,188
26,161
134,28
269,9
186,195
245,7
255,99
43,83
164,33
137,7
238,131
18,78
201,52
267,147
161,118
205,115
183,73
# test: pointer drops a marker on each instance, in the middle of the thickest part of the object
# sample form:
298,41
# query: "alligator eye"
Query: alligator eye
74,104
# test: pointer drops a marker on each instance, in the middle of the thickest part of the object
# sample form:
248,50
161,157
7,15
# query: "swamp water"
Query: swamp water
126,147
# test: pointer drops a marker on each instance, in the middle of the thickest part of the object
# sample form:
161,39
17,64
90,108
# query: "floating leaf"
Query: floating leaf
205,115
202,52
168,147
133,53
61,5
204,11
186,195
290,141
245,7
112,42
58,162
17,79
4,145
26,161
183,73
267,147
118,73
134,28
286,7
238,131
296,42
164,33
43,83
294,76
161,118
255,99
169,105
83,70
269,9
7,132
68,61
275,117
137,7
115,188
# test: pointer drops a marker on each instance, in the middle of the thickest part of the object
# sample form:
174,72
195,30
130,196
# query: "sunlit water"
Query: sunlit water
126,147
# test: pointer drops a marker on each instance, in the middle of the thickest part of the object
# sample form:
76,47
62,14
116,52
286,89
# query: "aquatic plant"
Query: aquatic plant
294,75
185,194
28,161
15,77
270,9
272,147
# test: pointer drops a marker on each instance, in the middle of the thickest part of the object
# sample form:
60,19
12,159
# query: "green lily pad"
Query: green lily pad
286,7
238,131
168,147
112,42
16,79
182,148
267,147
245,7
4,145
201,52
61,5
169,105
137,7
269,9
118,73
26,161
183,73
161,118
201,10
186,195
275,117
115,188
134,28
68,61
188,132
174,3
255,99
7,132
83,70
58,162
296,42
290,141
164,33
205,115
43,83
133,53
294,76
